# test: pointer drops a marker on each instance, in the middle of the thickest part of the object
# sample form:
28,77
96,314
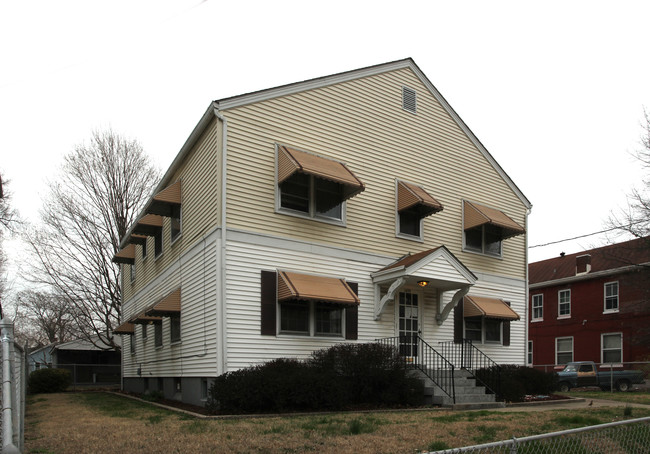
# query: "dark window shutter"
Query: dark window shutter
458,323
506,330
352,316
269,302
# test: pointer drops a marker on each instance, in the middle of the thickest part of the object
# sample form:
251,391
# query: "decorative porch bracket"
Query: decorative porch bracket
442,316
394,287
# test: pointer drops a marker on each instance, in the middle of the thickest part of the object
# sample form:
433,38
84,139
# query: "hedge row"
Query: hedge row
49,381
519,381
341,377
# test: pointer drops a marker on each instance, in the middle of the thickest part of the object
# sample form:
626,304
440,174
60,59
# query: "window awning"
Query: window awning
476,215
149,225
291,161
317,288
125,255
143,319
411,195
478,306
168,306
166,200
125,328
138,239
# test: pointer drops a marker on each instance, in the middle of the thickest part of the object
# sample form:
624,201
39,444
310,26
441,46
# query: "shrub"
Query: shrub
49,381
332,379
519,381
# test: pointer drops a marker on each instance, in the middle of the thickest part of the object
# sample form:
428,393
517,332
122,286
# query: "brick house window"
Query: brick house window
563,350
612,348
564,304
611,297
538,307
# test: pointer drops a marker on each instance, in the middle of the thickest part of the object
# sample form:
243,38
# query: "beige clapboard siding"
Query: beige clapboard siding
362,124
199,175
195,355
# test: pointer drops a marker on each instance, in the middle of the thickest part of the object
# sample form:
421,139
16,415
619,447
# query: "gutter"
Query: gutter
585,276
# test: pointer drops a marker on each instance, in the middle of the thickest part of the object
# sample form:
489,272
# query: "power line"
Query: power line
619,227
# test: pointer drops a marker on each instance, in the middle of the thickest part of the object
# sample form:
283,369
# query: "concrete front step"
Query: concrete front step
467,392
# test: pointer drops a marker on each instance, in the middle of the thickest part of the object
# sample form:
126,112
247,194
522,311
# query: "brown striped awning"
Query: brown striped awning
296,286
413,196
167,306
479,306
149,225
164,202
291,161
476,215
125,328
125,255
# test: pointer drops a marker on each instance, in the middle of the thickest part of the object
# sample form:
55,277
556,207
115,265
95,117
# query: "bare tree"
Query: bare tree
102,188
50,316
634,219
8,223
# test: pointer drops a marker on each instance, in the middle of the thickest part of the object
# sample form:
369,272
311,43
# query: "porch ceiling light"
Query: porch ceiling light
423,283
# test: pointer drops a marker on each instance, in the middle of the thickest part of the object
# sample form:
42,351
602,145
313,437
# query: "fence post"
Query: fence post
8,397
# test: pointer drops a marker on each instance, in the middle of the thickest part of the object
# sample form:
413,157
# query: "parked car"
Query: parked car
584,373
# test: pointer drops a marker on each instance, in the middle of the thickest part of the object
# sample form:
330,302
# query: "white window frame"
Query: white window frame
482,250
312,214
618,297
602,347
563,351
560,303
483,332
537,307
311,323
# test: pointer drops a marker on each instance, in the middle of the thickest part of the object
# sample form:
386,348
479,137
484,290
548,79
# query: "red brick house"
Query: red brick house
591,306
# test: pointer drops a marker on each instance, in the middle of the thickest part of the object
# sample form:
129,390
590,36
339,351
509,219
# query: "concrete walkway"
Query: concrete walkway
567,404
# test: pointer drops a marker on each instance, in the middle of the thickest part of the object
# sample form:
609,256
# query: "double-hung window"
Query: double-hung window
485,228
175,222
175,328
158,335
611,297
311,318
563,350
612,348
538,307
414,203
564,304
313,186
483,330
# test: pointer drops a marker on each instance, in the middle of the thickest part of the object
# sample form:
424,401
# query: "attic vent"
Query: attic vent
409,99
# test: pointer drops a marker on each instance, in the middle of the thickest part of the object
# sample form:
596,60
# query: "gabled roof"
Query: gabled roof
613,257
217,107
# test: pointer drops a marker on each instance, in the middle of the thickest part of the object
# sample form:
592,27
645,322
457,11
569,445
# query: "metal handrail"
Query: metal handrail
467,356
419,354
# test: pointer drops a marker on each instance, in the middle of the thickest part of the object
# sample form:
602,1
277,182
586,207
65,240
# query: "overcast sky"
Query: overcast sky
554,90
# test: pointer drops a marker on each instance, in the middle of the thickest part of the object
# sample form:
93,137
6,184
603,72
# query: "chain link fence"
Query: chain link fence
622,437
13,390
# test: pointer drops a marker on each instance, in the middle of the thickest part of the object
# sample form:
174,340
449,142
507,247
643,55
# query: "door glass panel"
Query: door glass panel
408,324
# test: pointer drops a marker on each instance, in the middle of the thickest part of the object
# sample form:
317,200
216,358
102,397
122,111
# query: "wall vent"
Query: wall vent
409,100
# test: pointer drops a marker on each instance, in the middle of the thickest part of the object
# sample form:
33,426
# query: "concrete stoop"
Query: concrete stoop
469,395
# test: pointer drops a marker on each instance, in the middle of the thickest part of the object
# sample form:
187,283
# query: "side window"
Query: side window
611,297
175,222
175,328
564,304
158,338
529,357
158,243
612,348
414,203
538,307
563,350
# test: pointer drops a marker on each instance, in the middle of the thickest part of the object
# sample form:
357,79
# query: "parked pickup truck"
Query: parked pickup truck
585,373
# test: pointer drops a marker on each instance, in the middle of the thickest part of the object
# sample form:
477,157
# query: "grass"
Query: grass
97,422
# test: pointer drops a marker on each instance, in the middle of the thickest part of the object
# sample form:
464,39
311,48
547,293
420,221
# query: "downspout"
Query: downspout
526,293
222,366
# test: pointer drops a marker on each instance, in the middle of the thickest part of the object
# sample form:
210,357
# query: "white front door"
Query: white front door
409,323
